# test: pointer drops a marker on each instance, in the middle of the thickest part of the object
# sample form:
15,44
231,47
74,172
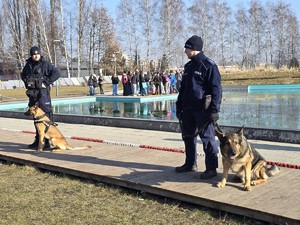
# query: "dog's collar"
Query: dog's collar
40,117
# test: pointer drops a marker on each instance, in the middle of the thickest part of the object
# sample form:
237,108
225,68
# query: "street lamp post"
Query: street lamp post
115,63
54,42
115,60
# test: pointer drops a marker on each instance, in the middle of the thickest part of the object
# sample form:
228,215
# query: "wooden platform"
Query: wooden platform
153,171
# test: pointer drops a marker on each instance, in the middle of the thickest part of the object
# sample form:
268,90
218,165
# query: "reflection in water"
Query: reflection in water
278,110
238,108
271,110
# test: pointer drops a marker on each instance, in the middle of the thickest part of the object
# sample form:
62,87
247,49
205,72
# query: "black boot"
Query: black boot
186,168
35,144
47,144
208,174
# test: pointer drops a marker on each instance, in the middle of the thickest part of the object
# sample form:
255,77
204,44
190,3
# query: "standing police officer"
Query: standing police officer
197,108
37,75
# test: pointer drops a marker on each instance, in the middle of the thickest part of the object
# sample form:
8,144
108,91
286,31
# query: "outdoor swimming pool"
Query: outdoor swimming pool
257,109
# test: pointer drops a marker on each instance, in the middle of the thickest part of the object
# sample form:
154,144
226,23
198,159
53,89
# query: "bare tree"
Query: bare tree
244,39
171,26
82,18
280,22
13,14
294,37
105,37
148,17
80,26
63,38
257,18
128,29
149,30
201,22
221,15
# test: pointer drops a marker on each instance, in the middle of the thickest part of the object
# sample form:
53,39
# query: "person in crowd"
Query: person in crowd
92,82
142,83
126,83
167,84
162,83
147,80
178,76
100,83
134,83
115,81
38,75
173,82
152,84
156,80
197,108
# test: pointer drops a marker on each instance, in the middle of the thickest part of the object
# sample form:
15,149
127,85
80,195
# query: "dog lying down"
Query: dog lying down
47,130
243,159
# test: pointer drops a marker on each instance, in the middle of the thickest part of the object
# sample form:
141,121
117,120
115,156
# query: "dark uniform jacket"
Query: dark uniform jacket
37,77
201,78
40,72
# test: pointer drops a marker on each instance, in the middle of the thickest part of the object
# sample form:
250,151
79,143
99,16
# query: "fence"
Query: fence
74,81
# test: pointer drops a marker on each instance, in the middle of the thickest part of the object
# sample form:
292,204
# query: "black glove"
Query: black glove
179,114
214,117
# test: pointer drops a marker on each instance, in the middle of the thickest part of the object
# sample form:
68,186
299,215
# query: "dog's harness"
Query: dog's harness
46,123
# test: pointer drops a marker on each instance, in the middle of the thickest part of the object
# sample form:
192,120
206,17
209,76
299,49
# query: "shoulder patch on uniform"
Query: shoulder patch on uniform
208,63
211,61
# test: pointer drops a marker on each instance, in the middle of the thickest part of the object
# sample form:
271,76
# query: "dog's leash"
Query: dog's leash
200,128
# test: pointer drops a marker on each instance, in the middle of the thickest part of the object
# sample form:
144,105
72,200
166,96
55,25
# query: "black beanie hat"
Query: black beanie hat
35,50
195,42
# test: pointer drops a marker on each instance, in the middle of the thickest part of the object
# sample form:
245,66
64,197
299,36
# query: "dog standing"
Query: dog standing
243,159
47,130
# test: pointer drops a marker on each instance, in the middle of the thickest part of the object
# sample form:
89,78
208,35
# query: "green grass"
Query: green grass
31,196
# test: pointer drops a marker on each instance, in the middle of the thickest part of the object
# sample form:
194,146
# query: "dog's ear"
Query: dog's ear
241,131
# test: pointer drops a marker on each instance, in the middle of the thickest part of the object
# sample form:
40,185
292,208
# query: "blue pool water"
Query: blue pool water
258,109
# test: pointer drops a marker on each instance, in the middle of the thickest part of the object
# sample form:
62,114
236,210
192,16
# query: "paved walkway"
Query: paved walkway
153,171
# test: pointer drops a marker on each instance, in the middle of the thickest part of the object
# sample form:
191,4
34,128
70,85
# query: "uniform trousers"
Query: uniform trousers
192,120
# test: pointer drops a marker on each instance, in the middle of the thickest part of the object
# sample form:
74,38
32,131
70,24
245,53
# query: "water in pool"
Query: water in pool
277,110
270,110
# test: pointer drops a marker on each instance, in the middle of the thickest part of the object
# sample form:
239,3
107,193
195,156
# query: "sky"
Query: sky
111,5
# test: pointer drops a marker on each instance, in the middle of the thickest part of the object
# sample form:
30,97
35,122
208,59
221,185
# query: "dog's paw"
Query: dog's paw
253,183
37,151
56,150
220,184
247,188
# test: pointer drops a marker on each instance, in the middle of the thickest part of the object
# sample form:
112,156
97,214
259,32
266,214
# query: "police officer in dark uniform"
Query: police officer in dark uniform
38,75
197,108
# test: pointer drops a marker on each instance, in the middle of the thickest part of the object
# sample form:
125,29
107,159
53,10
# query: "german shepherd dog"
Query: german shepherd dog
243,159
46,129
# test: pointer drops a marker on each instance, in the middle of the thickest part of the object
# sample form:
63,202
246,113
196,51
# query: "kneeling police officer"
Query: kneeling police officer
198,106
38,75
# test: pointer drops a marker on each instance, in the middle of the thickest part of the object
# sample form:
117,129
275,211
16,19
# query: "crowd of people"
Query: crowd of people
140,83
94,82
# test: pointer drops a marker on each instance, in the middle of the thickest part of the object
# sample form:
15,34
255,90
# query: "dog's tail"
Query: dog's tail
273,170
78,148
